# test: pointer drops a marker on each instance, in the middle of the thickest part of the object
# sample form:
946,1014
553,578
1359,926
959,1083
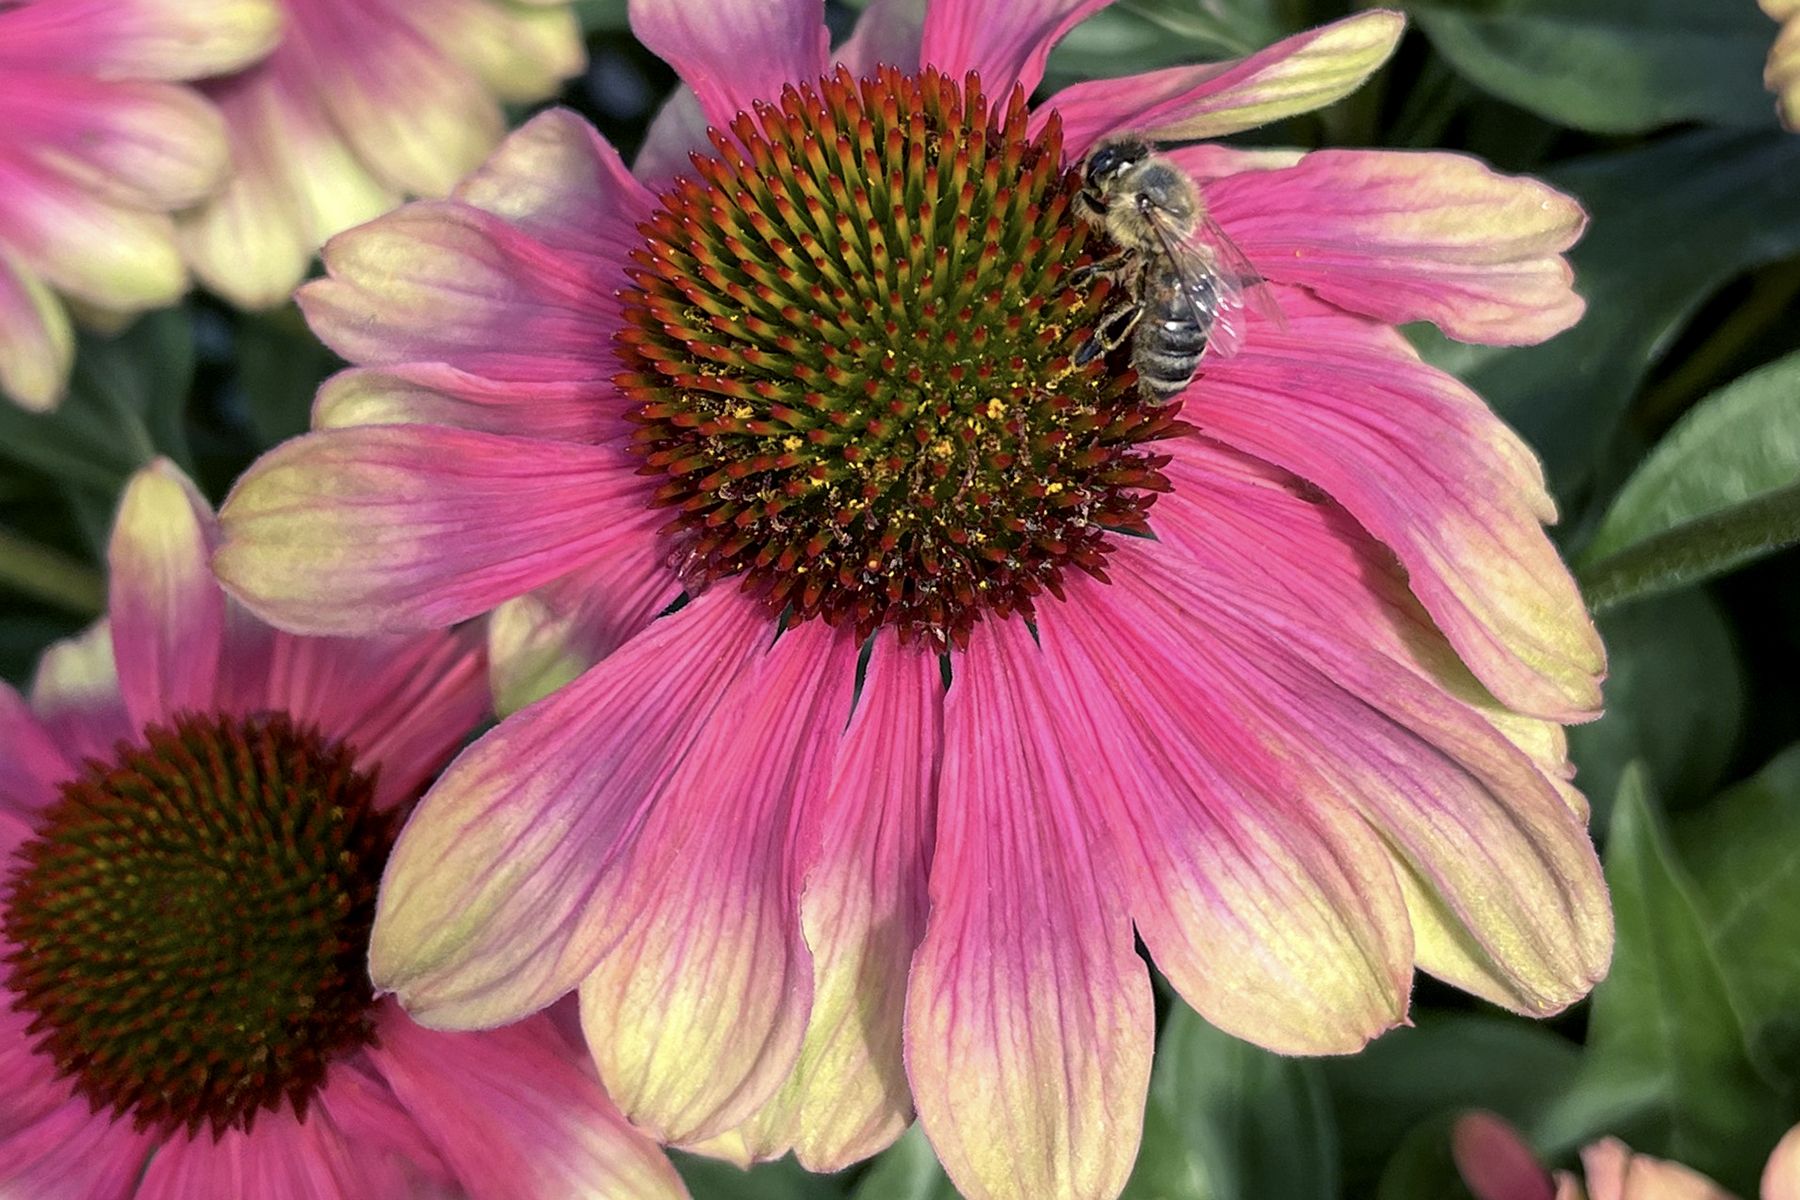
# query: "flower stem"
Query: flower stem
50,575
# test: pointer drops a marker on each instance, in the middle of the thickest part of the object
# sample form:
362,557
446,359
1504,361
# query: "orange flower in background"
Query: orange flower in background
98,145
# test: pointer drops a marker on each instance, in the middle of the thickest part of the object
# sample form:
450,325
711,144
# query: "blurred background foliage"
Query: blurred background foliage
1669,422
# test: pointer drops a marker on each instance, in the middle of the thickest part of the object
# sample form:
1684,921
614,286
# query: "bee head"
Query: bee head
1111,159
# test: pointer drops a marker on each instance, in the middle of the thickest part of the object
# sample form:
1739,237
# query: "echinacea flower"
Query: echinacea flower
194,814
97,146
1496,1164
362,104
1783,73
903,703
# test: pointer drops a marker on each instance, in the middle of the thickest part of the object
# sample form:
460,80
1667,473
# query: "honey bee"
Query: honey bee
1186,283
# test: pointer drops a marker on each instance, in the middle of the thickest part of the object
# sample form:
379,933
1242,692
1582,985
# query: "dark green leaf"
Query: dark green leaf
710,1179
1438,1068
1744,850
907,1170
1233,1122
1611,66
1143,35
280,366
1422,1167
1666,1067
1696,551
49,575
597,15
1672,221
1674,699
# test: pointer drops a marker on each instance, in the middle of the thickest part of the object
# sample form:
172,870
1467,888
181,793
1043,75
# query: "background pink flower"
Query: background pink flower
97,146
363,103
125,1072
1304,738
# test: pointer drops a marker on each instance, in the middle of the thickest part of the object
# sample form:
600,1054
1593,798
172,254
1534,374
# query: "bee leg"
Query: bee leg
1115,326
1106,268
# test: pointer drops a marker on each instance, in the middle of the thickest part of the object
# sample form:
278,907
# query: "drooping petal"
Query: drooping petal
735,53
397,528
1028,1016
1425,467
147,145
887,33
75,693
294,183
1006,41
1295,75
1495,1162
433,393
33,764
1615,1173
167,612
677,130
697,1014
520,53
67,1150
487,905
516,1117
282,1158
1412,237
1275,915
863,913
1500,878
113,257
404,703
451,283
545,638
139,39
562,183
37,343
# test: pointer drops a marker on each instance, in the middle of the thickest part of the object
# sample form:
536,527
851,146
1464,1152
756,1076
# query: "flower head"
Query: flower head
905,647
1783,74
362,104
195,811
98,145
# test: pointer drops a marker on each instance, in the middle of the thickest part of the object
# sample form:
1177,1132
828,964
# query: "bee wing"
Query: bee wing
1202,283
1239,275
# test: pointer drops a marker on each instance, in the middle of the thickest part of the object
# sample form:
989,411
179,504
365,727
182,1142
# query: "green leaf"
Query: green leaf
1744,850
1610,66
280,366
1666,1067
1428,1073
1739,443
1697,551
710,1179
907,1170
1674,699
1422,1167
1672,222
1232,1122
1144,35
598,15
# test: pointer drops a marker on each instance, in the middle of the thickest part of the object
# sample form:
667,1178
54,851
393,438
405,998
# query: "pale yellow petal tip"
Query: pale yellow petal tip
531,653
37,342
1782,75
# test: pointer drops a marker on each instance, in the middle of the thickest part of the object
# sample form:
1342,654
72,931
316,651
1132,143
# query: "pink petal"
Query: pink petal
396,528
405,704
67,1150
145,39
75,693
1501,881
1412,237
1615,1173
520,52
887,34
434,393
517,1117
1781,1177
37,343
489,908
1006,41
677,130
31,770
1495,1162
697,1013
281,1159
1277,917
450,283
295,181
1423,465
419,119
148,145
359,1103
563,184
1295,75
734,53
112,256
545,638
1028,1018
863,913
168,615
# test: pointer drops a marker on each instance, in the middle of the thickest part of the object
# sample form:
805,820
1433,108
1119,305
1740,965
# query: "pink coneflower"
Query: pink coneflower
362,104
189,850
950,700
97,147
1783,72
1496,1164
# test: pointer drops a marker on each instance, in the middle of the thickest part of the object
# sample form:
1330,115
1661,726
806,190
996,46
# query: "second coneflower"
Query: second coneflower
920,652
